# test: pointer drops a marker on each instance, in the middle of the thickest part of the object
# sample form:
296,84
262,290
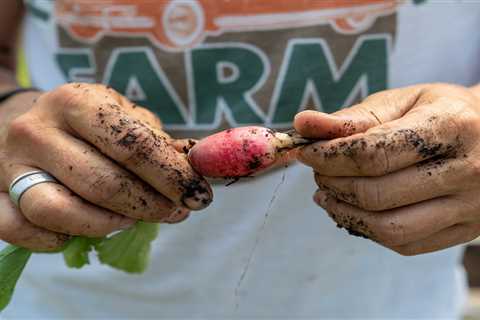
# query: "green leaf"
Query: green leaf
76,251
129,250
12,262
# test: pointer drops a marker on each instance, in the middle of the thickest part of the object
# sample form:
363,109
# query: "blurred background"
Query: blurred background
471,262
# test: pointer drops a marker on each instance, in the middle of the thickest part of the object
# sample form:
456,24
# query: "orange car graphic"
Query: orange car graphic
180,24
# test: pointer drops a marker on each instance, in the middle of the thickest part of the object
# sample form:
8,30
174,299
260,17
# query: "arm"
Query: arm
10,21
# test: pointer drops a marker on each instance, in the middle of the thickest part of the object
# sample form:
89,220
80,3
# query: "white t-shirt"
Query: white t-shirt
206,65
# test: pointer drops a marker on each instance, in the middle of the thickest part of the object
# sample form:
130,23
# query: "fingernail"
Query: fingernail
198,195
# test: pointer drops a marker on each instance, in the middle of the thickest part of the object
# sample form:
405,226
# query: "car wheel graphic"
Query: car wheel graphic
183,22
355,24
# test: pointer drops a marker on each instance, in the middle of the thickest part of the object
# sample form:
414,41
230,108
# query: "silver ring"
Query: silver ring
25,181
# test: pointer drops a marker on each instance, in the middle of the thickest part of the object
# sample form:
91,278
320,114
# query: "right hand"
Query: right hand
113,162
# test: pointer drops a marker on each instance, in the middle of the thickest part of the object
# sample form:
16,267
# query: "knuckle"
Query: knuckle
369,195
45,210
370,155
378,161
106,187
138,152
65,95
22,129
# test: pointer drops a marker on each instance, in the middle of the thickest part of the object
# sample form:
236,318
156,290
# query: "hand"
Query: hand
402,168
113,162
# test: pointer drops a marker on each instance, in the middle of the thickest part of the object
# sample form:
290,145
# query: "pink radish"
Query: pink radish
241,152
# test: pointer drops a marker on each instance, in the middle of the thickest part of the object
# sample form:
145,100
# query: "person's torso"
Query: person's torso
210,64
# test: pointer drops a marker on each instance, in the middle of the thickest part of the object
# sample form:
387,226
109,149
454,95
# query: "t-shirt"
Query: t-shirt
263,249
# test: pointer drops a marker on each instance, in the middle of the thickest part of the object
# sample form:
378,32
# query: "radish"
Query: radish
241,152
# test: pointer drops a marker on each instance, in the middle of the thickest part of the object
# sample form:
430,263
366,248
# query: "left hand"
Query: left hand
402,168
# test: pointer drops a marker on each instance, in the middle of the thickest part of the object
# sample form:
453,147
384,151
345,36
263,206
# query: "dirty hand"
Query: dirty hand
113,162
402,168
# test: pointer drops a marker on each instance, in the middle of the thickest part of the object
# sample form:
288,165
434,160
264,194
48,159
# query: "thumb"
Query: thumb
376,109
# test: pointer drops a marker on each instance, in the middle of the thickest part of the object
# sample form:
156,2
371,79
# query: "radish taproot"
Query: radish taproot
241,152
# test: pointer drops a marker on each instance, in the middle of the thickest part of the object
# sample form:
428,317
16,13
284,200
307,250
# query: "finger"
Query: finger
408,186
17,230
378,108
133,109
97,118
397,226
452,236
96,178
54,207
420,135
286,158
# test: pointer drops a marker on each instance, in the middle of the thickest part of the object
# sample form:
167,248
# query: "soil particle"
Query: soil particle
348,128
272,132
425,149
432,166
143,201
254,163
245,145
353,225
349,197
124,121
398,141
186,149
128,139
115,129
193,188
